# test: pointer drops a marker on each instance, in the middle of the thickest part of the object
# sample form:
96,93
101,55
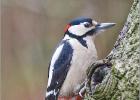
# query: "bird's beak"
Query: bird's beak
104,26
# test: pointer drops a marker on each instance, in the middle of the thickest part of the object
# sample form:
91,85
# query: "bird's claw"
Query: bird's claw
82,91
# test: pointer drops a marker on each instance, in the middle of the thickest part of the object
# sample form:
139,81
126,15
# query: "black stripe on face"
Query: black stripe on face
79,38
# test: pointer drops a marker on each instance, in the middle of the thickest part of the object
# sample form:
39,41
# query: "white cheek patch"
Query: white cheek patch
79,30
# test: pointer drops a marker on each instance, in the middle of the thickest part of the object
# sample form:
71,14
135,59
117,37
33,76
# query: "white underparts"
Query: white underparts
81,60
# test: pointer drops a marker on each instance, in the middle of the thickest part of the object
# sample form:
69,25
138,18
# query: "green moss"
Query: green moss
122,81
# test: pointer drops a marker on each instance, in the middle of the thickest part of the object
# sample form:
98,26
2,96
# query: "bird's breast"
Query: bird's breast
82,58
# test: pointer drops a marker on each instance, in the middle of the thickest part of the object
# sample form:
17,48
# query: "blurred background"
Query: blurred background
32,28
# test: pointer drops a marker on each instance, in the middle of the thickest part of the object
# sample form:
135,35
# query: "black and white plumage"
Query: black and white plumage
75,53
58,69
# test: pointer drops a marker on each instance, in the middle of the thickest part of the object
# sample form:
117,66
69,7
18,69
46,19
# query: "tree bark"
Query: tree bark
120,81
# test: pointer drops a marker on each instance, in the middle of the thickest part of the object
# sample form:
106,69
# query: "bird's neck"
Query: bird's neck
82,40
69,35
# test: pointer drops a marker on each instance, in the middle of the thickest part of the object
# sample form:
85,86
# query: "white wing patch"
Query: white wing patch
49,93
54,58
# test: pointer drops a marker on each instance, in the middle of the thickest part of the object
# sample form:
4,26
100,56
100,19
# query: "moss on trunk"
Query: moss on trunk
121,82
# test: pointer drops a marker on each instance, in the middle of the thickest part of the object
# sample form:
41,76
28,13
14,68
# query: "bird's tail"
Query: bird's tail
51,96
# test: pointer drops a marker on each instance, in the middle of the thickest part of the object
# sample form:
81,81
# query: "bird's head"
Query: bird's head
86,26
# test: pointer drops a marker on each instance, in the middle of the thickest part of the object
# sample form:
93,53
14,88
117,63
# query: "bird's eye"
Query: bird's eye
87,25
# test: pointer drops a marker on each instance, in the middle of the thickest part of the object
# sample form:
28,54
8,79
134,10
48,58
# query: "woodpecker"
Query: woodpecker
73,55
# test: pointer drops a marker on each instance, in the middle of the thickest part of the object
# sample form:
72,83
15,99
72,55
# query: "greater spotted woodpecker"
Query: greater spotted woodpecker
74,54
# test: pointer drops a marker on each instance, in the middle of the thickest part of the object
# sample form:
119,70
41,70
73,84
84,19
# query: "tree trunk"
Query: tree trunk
121,81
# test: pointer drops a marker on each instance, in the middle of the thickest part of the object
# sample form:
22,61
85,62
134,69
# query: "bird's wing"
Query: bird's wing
59,67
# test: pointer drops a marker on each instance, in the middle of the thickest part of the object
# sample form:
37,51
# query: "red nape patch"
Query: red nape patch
66,28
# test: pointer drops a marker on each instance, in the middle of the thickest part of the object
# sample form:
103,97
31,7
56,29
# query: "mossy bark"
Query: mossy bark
122,80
